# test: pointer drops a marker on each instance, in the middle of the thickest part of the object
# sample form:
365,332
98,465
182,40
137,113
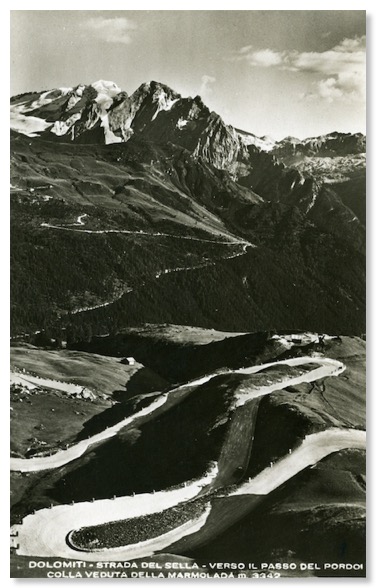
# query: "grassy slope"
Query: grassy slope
148,184
48,420
180,334
169,449
105,375
353,194
181,361
54,418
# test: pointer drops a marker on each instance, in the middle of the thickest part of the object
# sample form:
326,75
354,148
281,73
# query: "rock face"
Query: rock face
102,113
334,144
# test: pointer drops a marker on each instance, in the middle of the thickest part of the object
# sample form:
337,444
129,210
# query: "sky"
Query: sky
276,73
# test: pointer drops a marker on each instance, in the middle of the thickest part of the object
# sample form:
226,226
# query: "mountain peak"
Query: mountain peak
106,87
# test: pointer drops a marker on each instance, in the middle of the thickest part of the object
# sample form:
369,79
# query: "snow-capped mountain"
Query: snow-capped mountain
102,113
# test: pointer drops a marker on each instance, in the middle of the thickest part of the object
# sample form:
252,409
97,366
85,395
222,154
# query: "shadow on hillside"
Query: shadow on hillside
143,382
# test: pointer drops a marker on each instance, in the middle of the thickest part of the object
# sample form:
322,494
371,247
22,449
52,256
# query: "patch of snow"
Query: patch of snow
165,102
80,90
181,123
65,91
43,100
106,92
105,87
312,203
263,143
76,96
61,127
27,125
109,136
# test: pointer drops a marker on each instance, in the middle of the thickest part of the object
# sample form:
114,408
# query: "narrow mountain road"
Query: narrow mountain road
313,448
165,272
214,261
29,381
102,304
61,458
46,533
327,367
233,240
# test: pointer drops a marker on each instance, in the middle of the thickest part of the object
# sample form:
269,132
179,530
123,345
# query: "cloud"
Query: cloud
111,30
345,86
341,69
265,58
206,85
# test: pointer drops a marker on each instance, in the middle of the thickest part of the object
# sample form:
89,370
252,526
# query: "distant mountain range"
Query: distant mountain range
159,163
102,112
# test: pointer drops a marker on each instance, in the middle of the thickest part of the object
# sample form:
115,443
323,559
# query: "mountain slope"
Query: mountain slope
160,212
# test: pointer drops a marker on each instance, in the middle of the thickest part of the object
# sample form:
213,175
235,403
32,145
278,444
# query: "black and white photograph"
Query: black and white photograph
188,294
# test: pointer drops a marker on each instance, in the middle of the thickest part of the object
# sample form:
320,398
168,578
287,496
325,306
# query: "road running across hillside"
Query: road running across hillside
46,533
313,448
327,367
164,272
233,242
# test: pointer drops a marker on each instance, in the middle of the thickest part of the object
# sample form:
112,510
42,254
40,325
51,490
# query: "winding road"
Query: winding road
232,242
46,532
327,367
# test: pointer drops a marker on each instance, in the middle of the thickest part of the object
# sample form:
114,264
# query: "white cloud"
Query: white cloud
342,68
206,85
265,58
111,30
328,89
347,86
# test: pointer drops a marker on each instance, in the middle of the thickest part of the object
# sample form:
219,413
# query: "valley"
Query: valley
187,335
